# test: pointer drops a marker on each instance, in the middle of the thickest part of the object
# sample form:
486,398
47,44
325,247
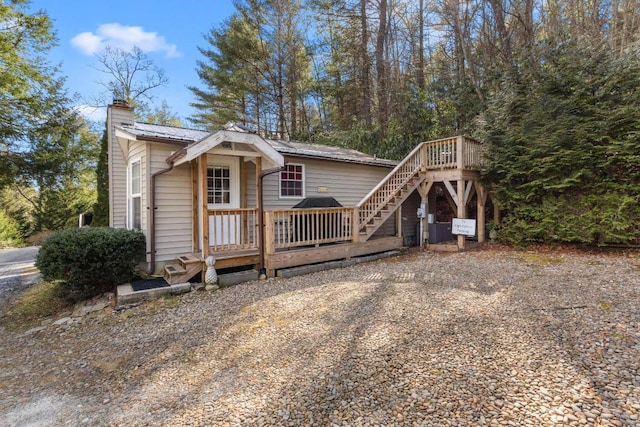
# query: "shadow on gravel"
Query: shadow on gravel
422,344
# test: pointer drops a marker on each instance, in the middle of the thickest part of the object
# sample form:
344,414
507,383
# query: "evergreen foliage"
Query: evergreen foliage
90,260
564,149
60,169
33,101
101,208
9,231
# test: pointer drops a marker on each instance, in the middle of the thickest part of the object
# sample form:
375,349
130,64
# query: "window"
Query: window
218,185
292,181
135,195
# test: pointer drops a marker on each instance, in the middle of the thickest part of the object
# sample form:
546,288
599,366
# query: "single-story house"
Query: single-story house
272,204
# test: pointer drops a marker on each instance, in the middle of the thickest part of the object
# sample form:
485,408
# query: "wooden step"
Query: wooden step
188,259
174,269
184,270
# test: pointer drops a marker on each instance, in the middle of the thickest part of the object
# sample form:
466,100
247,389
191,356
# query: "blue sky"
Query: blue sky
168,31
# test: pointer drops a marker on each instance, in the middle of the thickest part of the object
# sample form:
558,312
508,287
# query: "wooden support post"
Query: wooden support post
195,241
462,214
258,172
482,199
269,242
355,222
204,220
399,221
244,228
496,211
460,153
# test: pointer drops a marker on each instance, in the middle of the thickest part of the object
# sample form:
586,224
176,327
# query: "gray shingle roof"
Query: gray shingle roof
291,148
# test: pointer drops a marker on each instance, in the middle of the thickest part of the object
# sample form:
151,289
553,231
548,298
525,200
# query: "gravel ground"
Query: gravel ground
492,337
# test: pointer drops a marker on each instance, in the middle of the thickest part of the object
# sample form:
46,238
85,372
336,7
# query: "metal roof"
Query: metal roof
328,152
291,148
167,132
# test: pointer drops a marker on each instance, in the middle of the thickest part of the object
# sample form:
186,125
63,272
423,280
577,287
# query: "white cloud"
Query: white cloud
94,114
123,37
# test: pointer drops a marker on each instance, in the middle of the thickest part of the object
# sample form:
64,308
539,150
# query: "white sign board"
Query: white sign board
466,227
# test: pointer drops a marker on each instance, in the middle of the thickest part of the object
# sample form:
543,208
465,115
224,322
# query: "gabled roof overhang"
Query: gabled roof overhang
253,146
123,136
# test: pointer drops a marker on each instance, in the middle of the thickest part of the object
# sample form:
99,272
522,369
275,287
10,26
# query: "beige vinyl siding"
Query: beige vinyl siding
173,206
348,183
117,168
250,168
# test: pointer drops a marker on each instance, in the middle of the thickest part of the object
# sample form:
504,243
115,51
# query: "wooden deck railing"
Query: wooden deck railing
452,153
292,228
448,153
232,229
236,229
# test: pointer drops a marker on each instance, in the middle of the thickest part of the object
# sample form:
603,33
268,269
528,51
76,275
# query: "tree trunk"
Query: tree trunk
381,69
364,59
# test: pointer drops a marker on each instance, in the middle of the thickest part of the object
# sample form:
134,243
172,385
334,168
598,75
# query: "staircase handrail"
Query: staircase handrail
399,167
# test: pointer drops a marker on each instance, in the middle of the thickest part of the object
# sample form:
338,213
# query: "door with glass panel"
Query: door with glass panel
222,198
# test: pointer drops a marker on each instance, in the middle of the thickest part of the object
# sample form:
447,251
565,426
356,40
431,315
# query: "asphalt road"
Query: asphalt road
17,271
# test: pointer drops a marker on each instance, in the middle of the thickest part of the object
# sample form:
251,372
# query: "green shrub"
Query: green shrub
91,260
9,231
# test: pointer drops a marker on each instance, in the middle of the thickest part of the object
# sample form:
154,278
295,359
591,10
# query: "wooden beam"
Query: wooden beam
462,212
496,210
460,154
424,188
257,183
204,220
481,201
294,258
468,192
244,230
481,191
455,195
195,241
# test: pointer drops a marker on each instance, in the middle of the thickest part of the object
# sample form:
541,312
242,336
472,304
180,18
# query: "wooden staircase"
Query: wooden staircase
448,159
382,202
185,269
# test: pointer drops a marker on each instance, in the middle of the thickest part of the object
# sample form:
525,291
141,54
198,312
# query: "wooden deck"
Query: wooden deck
295,237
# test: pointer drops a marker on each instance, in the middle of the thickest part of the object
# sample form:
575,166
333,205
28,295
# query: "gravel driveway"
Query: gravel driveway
17,271
467,339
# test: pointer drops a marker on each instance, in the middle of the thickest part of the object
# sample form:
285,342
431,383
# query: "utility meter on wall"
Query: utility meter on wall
422,211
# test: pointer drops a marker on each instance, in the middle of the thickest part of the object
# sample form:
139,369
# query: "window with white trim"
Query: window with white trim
135,195
218,184
292,181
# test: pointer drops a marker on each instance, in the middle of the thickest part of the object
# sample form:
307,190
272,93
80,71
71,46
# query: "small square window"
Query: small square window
292,181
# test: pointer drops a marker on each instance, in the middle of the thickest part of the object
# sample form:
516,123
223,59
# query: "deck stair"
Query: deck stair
186,268
445,160
382,202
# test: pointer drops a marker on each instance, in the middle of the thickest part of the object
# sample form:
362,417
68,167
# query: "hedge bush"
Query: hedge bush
91,260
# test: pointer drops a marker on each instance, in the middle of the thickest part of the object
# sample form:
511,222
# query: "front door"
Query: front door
223,196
